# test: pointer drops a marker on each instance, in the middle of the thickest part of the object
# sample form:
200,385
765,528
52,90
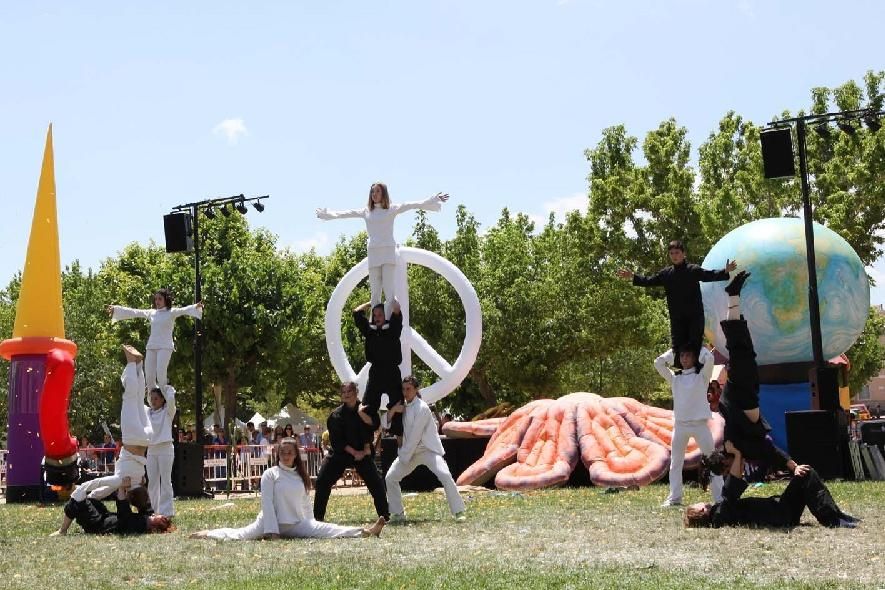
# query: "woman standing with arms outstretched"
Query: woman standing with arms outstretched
160,344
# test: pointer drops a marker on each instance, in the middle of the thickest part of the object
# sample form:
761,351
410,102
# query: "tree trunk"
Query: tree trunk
485,388
229,387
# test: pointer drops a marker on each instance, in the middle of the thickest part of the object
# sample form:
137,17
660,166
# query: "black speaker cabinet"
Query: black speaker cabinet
187,470
777,152
824,388
179,237
872,432
820,439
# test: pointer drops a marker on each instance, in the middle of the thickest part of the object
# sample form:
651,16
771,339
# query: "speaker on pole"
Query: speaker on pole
824,388
777,152
179,236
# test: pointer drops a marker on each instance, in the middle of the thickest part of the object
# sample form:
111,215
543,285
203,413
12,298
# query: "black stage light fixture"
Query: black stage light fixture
846,126
872,122
210,212
823,130
258,206
241,207
225,210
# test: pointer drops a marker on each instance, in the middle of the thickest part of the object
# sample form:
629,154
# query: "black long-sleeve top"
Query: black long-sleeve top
347,428
681,284
737,511
94,517
382,344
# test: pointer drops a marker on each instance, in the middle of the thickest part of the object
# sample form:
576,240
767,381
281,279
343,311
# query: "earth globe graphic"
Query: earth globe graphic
774,300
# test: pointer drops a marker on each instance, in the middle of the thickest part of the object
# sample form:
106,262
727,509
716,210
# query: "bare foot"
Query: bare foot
132,355
199,535
375,529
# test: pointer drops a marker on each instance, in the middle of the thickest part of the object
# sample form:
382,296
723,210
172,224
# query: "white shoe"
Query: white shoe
460,516
669,502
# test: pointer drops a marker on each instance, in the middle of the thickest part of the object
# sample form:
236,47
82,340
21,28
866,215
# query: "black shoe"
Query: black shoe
849,518
734,287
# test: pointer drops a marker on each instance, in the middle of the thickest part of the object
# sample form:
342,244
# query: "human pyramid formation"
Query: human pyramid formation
285,501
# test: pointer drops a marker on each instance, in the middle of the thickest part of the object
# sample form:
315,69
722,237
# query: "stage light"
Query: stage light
846,126
226,210
241,207
873,123
258,206
823,130
210,212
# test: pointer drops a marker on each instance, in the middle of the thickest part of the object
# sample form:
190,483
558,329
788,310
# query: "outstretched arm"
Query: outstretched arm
655,280
434,203
195,311
118,312
326,215
710,276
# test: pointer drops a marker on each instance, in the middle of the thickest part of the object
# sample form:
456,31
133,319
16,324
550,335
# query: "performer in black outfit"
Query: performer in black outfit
95,519
784,511
681,284
384,351
350,434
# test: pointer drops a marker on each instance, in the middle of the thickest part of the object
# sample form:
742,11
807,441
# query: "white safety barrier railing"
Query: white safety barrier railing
243,465
3,453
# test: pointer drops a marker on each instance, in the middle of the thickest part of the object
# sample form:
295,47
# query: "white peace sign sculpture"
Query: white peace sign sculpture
450,375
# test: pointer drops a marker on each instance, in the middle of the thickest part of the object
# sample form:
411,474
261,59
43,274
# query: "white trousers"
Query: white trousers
159,472
432,461
682,431
383,277
127,465
135,425
156,365
306,529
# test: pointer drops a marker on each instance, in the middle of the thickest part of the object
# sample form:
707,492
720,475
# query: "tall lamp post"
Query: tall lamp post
188,219
777,156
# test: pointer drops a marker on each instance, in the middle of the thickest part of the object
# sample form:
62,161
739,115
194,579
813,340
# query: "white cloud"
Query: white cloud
560,207
319,240
232,129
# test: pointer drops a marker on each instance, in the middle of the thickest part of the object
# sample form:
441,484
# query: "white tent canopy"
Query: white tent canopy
256,419
292,415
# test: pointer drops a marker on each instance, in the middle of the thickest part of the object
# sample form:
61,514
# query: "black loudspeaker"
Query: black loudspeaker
819,439
777,152
824,388
872,432
179,237
187,470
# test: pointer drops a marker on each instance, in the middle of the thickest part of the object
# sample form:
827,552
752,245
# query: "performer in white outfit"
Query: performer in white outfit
136,434
161,452
691,411
285,507
379,215
421,446
160,344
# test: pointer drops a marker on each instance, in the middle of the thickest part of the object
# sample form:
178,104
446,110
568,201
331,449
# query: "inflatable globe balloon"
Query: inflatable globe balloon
774,300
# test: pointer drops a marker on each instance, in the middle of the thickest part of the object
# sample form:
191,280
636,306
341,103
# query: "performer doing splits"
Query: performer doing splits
350,434
785,510
745,427
691,411
136,430
160,344
385,353
285,506
379,215
161,453
95,519
421,446
681,284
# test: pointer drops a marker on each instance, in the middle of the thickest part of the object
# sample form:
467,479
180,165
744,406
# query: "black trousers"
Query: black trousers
742,393
810,492
686,327
332,470
385,379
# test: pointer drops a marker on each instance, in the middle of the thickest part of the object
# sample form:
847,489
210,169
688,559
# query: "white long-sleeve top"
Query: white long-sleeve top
379,225
161,420
283,499
162,322
689,387
419,430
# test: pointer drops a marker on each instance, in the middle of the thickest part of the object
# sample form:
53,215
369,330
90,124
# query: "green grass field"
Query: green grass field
567,538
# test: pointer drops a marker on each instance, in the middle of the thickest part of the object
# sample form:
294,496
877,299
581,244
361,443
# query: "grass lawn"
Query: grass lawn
566,538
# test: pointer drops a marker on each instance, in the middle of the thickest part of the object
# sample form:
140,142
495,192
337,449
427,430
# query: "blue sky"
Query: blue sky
160,103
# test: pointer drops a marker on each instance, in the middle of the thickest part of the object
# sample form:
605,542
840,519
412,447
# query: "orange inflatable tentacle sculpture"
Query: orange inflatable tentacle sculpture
548,453
58,444
476,429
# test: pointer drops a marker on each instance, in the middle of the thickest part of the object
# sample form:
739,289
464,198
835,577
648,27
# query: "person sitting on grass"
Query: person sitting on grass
782,511
95,519
285,507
